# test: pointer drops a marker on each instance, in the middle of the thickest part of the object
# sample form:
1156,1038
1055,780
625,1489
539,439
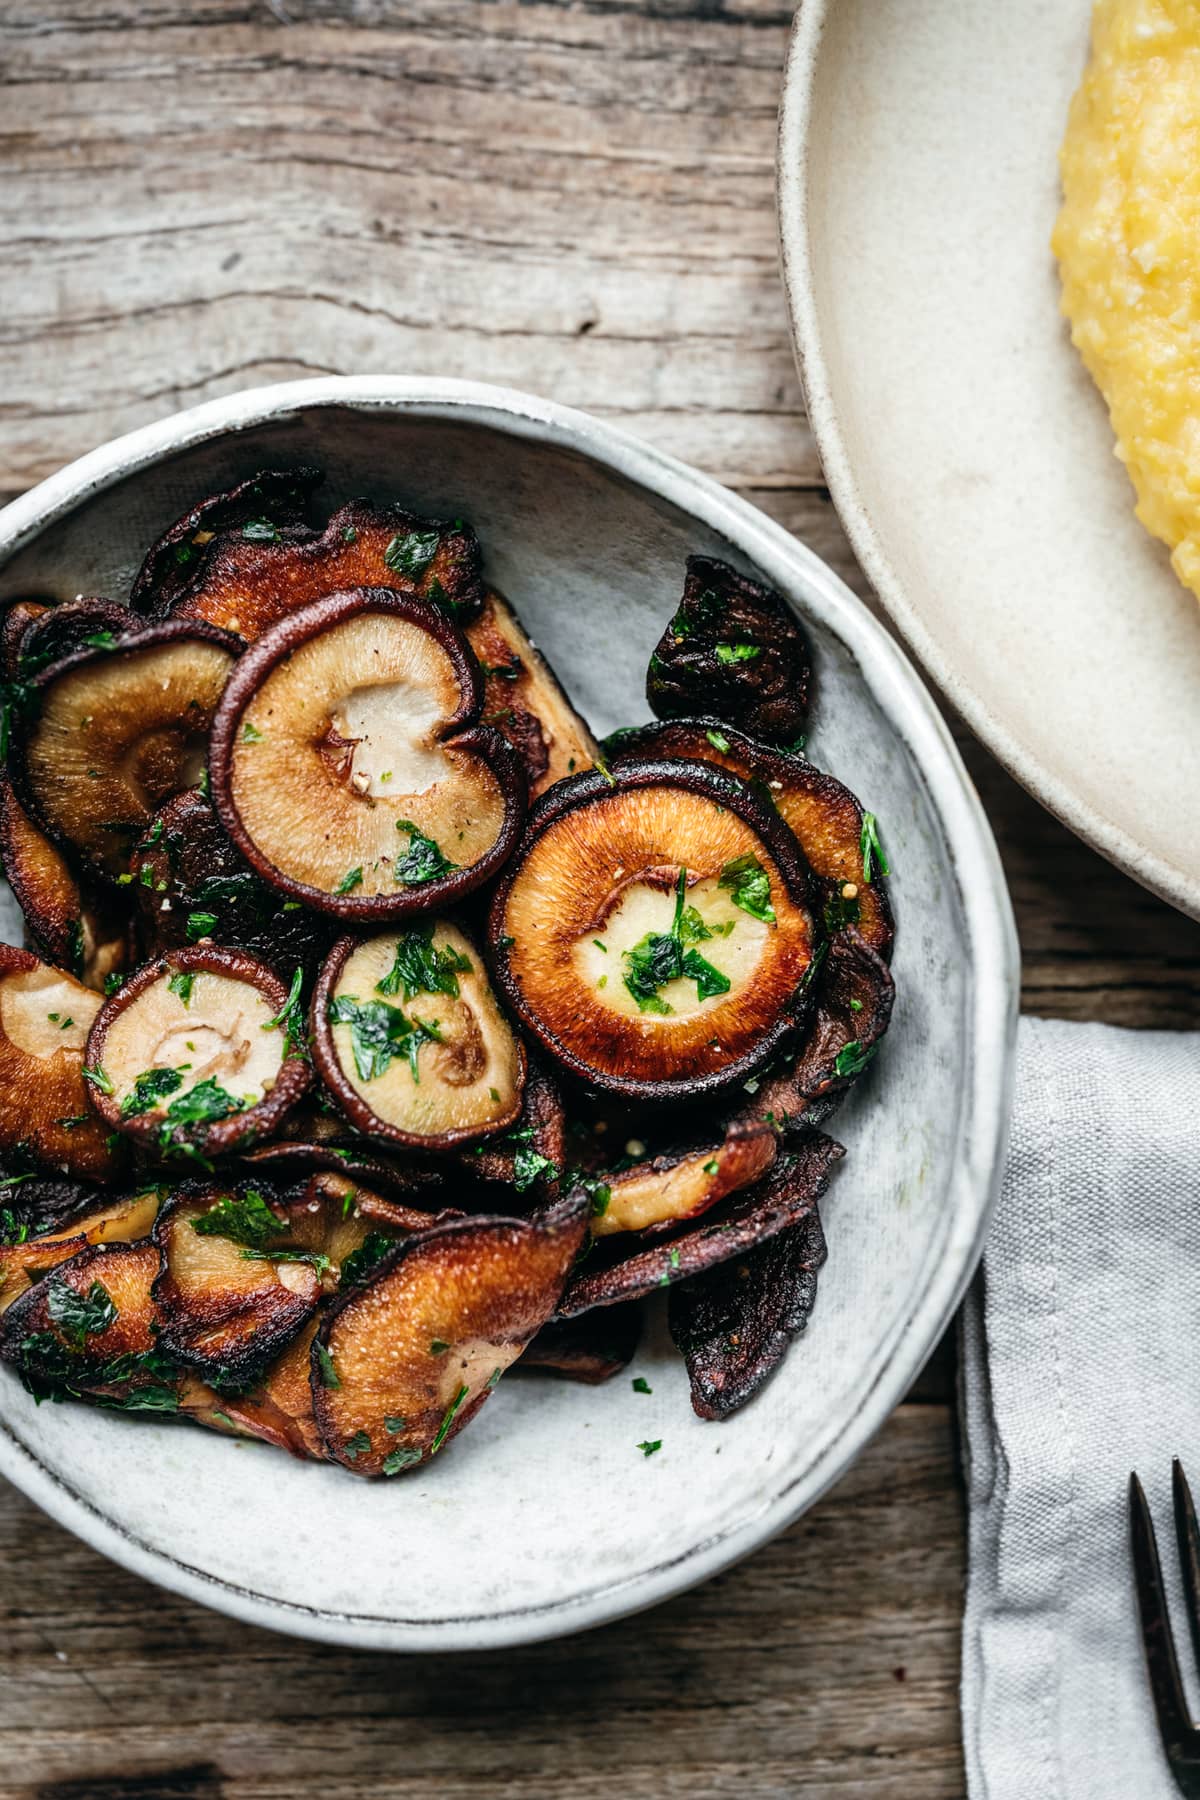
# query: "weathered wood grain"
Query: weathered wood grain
574,196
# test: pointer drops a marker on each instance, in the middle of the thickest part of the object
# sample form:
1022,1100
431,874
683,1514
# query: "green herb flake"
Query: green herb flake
357,1446
649,1445
438,1347
730,654
719,742
290,1018
79,1316
404,1458
661,957
640,1385
423,860
200,925
711,1166
600,945
98,1079
749,887
421,967
380,1033
182,984
411,552
260,531
112,983
871,849
350,880
394,1424
251,734
349,534
329,1375
362,1262
856,1006
149,1088
852,1058
448,1418
242,1218
840,912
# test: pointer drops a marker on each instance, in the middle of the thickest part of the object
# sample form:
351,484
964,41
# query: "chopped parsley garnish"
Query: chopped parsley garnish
528,1161
852,1058
79,1316
98,1079
404,1458
421,967
393,1423
357,1446
649,1445
423,860
251,734
359,1264
718,741
260,531
711,1166
316,1259
663,957
151,1086
199,925
840,912
598,1192
350,880
349,534
112,983
182,985
411,552
75,946
243,1218
100,640
640,1385
737,653
380,1033
204,1104
871,849
448,1418
749,887
329,1375
856,1006
438,1347
290,1018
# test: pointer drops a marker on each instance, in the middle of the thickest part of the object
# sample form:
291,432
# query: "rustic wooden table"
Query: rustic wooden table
574,196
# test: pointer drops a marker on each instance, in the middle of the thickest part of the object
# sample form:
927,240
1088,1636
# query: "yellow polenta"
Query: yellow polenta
1128,246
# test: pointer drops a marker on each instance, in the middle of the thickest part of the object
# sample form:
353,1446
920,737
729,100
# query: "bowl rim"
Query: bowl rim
993,961
792,169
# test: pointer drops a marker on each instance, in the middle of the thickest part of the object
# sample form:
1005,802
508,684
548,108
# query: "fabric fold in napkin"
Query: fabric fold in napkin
1080,1361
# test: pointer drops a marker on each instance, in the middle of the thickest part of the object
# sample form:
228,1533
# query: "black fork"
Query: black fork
1181,1739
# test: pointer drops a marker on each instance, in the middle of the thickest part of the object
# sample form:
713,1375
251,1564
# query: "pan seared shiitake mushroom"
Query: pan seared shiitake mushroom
348,767
75,924
116,732
408,1037
265,508
733,648
95,1218
197,1054
661,1191
524,700
653,931
45,1017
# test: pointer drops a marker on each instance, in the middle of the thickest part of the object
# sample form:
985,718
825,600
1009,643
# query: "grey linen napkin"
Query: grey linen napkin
1080,1361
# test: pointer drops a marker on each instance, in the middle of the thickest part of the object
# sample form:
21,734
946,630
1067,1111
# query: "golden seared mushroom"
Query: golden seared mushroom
840,841
787,1193
250,576
660,1191
653,932
198,1054
95,1218
89,1330
45,1017
263,509
408,1037
75,925
733,647
524,700
347,766
115,733
402,1363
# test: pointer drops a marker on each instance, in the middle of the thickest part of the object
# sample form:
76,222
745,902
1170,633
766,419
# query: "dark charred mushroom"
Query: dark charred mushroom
531,1157
661,1191
195,1055
254,576
733,648
653,932
524,700
89,1331
77,926
839,840
408,1037
590,1349
95,1219
263,508
347,767
787,1193
116,733
86,623
734,1324
189,881
45,1017
16,617
401,1364
405,1180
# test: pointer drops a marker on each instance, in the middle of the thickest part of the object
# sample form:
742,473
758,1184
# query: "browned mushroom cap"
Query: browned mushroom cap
401,1364
15,619
261,508
89,1330
524,700
734,1324
278,1408
45,1017
96,1219
408,1037
853,1008
88,622
660,1191
189,881
117,732
347,770
590,1349
787,1193
253,577
838,839
80,928
194,1055
733,648
403,1179
653,931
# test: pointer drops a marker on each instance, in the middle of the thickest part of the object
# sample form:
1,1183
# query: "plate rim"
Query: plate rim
993,962
801,73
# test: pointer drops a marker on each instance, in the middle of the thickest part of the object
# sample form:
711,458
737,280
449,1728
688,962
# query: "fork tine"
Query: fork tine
1187,1533
1174,1723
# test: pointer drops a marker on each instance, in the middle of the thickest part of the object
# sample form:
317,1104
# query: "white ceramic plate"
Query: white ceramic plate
545,1517
967,451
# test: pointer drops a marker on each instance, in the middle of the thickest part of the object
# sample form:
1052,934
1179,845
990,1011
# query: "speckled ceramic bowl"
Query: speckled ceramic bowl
546,1517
